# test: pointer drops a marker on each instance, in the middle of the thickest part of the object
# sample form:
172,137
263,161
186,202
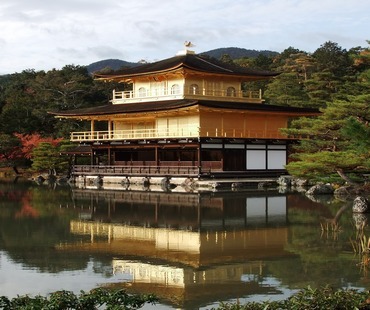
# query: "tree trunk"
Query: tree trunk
345,177
15,170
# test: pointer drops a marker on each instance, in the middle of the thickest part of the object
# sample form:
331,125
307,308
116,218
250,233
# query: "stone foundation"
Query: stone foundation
94,180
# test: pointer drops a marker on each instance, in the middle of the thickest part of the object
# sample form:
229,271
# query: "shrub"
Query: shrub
66,300
310,299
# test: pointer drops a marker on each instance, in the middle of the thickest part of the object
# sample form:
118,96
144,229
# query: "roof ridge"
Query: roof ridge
213,64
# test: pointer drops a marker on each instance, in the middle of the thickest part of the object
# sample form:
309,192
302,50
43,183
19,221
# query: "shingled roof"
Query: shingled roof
193,62
167,105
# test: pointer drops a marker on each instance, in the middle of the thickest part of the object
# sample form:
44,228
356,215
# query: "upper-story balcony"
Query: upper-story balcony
184,132
192,92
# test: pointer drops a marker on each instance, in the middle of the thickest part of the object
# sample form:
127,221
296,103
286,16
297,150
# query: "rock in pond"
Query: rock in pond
320,189
360,205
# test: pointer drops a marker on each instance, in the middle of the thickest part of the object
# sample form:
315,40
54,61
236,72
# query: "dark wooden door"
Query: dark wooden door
234,160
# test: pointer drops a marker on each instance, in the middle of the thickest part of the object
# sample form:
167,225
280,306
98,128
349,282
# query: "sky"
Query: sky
49,34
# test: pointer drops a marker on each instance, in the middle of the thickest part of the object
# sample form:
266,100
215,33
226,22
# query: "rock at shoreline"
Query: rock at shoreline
296,182
40,179
284,181
287,181
320,189
343,191
360,205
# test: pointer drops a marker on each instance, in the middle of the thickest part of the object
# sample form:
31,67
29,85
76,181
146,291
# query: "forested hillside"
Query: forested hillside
237,53
232,52
333,79
109,64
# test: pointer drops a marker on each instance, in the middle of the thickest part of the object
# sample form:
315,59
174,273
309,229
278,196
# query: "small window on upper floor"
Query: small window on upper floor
142,92
175,89
194,89
230,92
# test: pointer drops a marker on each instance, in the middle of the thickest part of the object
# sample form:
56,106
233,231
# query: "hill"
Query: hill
233,52
237,53
114,64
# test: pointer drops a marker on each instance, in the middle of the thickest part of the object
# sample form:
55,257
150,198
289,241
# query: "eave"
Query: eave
139,109
192,63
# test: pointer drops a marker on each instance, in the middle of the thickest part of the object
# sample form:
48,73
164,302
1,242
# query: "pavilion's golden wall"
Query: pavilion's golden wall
240,124
208,123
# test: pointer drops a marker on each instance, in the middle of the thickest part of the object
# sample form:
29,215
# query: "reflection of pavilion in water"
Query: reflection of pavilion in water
185,247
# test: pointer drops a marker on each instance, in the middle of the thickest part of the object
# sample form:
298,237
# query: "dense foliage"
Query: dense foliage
237,53
310,299
25,100
322,298
332,79
336,144
111,64
63,300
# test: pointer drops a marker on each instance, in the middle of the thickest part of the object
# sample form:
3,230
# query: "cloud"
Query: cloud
105,52
50,34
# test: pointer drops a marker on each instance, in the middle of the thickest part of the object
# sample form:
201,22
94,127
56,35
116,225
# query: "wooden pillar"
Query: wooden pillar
92,157
199,217
156,156
92,125
110,129
199,158
109,156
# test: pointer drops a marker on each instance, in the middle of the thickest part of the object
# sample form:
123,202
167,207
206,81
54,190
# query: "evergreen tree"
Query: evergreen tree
280,60
19,104
321,88
9,148
261,62
45,157
338,141
286,90
334,143
332,58
333,65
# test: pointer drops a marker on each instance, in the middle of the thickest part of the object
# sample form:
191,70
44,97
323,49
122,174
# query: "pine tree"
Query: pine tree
45,157
286,90
335,143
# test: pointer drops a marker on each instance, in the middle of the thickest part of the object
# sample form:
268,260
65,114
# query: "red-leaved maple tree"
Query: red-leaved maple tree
30,141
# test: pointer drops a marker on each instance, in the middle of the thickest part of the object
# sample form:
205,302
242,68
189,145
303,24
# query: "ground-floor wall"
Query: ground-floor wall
207,155
247,155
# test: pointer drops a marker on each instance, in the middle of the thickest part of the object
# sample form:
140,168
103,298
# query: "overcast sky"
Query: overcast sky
47,34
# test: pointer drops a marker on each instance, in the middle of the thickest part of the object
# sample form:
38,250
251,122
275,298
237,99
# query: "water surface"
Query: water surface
192,249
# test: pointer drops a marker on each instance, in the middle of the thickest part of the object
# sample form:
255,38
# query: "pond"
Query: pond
192,249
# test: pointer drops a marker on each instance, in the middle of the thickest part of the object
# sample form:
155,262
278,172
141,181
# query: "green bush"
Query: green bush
310,299
306,299
66,300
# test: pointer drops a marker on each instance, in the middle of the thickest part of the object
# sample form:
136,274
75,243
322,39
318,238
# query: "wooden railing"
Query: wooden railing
165,93
131,134
144,134
136,170
150,169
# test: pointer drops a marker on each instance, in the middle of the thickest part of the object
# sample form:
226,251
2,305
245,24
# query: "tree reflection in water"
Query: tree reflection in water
191,249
